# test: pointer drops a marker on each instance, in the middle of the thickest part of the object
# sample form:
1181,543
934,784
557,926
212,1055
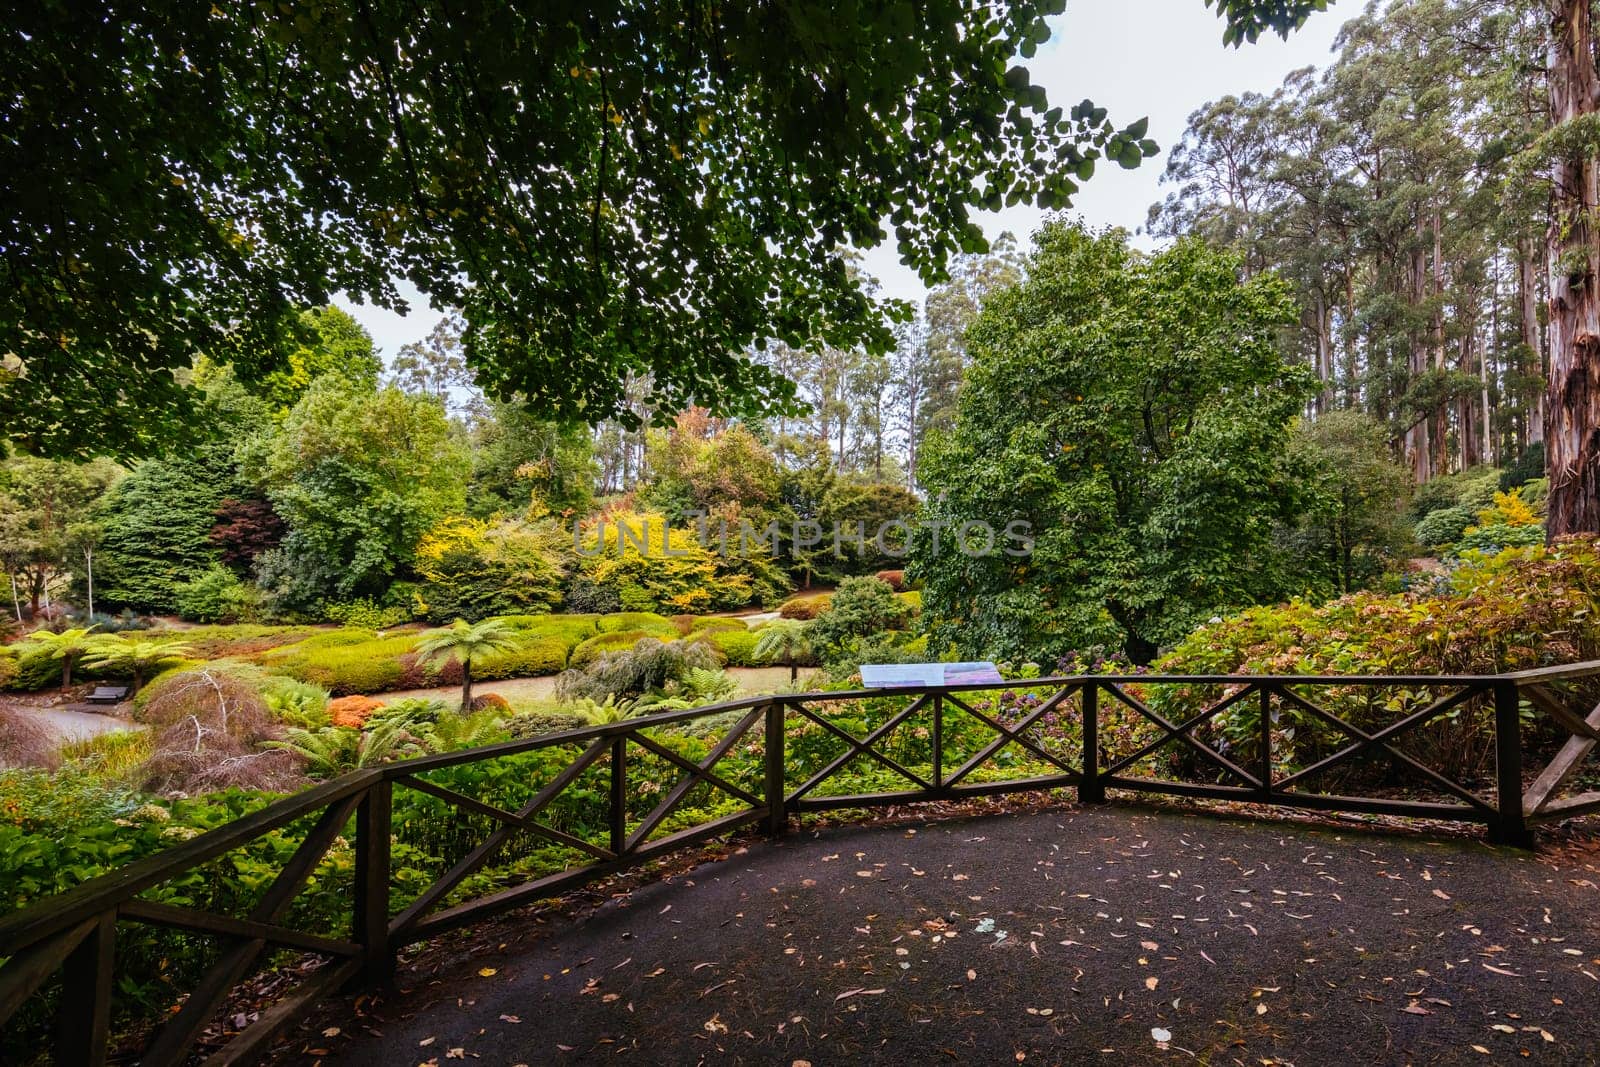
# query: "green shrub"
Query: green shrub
861,609
36,669
1445,526
703,624
912,599
1472,489
570,628
1526,468
345,662
736,648
8,667
539,723
642,621
610,641
1491,539
235,639
539,656
216,594
367,614
916,649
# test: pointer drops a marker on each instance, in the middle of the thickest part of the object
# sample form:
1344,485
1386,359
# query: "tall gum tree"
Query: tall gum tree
1572,403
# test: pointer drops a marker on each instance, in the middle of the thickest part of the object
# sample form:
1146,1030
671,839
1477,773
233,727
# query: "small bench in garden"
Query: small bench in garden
107,694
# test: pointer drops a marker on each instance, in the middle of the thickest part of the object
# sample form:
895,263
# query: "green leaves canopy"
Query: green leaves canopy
1135,411
605,188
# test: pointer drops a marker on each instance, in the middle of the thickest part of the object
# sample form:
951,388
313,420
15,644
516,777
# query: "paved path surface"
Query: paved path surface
67,725
1108,936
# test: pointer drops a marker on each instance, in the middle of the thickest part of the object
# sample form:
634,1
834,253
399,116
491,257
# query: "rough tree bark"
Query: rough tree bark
1572,399
1528,326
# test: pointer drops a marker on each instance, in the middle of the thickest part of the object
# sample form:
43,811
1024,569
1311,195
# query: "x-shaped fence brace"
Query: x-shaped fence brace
1184,731
1542,801
1380,739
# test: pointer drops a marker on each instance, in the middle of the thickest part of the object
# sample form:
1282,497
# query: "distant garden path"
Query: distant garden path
68,725
750,679
1106,935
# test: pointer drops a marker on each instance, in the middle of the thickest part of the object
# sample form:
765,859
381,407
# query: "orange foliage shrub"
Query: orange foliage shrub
895,580
353,711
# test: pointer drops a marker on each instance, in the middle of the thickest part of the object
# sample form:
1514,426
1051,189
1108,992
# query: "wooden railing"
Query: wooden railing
73,934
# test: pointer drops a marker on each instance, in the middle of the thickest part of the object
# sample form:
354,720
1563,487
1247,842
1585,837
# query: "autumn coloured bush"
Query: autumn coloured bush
491,702
895,579
209,730
352,711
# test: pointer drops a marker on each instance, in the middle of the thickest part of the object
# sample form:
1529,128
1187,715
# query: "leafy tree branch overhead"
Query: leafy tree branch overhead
606,189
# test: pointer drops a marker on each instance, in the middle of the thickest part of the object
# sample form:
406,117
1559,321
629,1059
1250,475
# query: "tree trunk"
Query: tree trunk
1572,399
88,560
466,685
794,671
1528,329
66,670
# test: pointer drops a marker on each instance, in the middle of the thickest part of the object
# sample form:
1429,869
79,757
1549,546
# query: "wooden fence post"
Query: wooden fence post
1266,742
83,1020
938,741
1091,790
777,816
619,795
371,923
1509,828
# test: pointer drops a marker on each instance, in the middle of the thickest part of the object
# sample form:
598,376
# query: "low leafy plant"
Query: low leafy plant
332,750
296,703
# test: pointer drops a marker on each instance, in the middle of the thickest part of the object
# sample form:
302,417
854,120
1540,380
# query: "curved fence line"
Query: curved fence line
940,743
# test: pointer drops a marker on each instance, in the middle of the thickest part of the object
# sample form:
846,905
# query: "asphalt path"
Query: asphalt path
1111,935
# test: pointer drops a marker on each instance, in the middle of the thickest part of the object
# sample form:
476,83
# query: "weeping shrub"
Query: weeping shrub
209,729
648,664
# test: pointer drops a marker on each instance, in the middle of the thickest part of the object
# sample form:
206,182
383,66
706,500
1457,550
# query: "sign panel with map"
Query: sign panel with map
927,675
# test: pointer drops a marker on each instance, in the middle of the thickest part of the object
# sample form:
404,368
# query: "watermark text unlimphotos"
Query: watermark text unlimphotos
807,538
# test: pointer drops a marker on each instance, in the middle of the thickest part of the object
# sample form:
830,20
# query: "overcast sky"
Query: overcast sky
1155,58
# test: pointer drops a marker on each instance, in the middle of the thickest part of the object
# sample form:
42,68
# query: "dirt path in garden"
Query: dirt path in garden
750,679
1110,935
